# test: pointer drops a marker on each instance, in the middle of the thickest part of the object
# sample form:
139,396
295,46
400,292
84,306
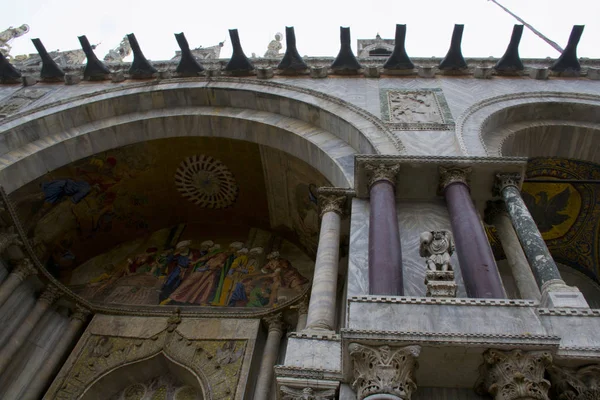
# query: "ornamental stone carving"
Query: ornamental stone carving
50,295
450,175
384,370
332,203
80,313
437,247
8,237
514,375
575,384
274,322
504,180
382,172
24,269
289,393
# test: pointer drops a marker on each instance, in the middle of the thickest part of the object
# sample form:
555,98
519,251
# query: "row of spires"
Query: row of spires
292,62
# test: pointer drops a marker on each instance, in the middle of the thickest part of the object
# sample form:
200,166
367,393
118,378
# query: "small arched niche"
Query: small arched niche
155,377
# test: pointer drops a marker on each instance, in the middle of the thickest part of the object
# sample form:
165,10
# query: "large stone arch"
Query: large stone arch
321,130
532,124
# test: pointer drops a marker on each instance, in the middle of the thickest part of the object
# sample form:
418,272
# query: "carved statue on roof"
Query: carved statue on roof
120,52
204,53
62,58
10,34
274,47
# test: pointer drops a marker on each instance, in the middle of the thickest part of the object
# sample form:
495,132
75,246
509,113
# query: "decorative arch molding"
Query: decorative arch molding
484,127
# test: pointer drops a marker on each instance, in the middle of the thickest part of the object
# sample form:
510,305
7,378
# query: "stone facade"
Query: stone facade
379,182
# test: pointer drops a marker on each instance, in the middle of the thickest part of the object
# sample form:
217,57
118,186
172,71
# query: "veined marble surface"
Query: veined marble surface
15,309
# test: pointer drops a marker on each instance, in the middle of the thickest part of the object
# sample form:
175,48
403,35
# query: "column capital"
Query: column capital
575,383
453,174
506,179
8,237
493,210
274,322
514,375
384,370
302,305
80,313
50,295
382,172
24,269
332,203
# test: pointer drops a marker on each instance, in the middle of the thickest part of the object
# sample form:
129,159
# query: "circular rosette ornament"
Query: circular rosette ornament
206,182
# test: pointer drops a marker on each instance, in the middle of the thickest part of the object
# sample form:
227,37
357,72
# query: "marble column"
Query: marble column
42,378
385,253
269,358
46,299
477,263
384,372
21,272
302,309
514,375
321,309
497,215
544,268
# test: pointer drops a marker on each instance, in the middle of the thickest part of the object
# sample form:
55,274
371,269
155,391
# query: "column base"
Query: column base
556,294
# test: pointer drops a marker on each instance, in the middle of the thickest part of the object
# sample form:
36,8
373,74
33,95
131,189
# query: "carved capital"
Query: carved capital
493,210
50,295
384,370
450,175
274,323
80,313
504,180
8,237
575,383
308,393
382,172
302,306
332,203
514,375
24,269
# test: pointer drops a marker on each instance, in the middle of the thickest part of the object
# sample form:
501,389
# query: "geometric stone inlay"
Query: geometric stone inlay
206,182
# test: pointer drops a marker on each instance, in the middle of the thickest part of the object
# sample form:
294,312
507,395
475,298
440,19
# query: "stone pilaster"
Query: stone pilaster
477,262
514,375
385,253
384,370
497,215
46,299
22,271
544,268
321,310
575,383
269,358
42,378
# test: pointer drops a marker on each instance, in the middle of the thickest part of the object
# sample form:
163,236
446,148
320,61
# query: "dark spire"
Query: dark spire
140,67
399,59
454,59
511,61
345,59
568,59
94,68
8,72
50,70
188,65
291,59
238,62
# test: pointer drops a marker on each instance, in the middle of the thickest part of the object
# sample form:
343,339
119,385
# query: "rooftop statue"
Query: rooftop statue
120,52
62,58
274,47
10,34
204,53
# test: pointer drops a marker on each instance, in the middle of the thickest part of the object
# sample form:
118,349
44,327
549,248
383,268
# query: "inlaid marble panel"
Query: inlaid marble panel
358,262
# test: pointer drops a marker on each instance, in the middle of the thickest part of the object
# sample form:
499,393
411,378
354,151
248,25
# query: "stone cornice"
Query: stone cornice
463,301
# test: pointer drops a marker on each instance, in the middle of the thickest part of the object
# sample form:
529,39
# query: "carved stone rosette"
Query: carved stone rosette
575,384
450,175
382,172
514,375
384,370
332,203
24,269
289,393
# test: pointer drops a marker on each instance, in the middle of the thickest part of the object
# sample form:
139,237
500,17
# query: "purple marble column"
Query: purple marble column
479,270
385,254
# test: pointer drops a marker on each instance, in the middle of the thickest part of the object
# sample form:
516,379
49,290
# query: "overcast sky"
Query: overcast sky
487,28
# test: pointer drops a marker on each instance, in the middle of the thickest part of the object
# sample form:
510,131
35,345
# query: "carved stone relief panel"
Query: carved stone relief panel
423,109
19,100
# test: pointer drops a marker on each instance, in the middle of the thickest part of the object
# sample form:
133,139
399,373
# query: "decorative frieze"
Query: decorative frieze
382,172
514,375
307,393
450,175
384,370
575,384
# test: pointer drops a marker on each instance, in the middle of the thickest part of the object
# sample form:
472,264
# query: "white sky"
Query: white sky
487,28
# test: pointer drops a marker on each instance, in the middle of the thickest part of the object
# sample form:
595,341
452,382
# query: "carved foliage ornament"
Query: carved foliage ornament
384,370
274,322
382,172
514,375
50,295
450,175
504,180
306,393
575,384
24,269
332,203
